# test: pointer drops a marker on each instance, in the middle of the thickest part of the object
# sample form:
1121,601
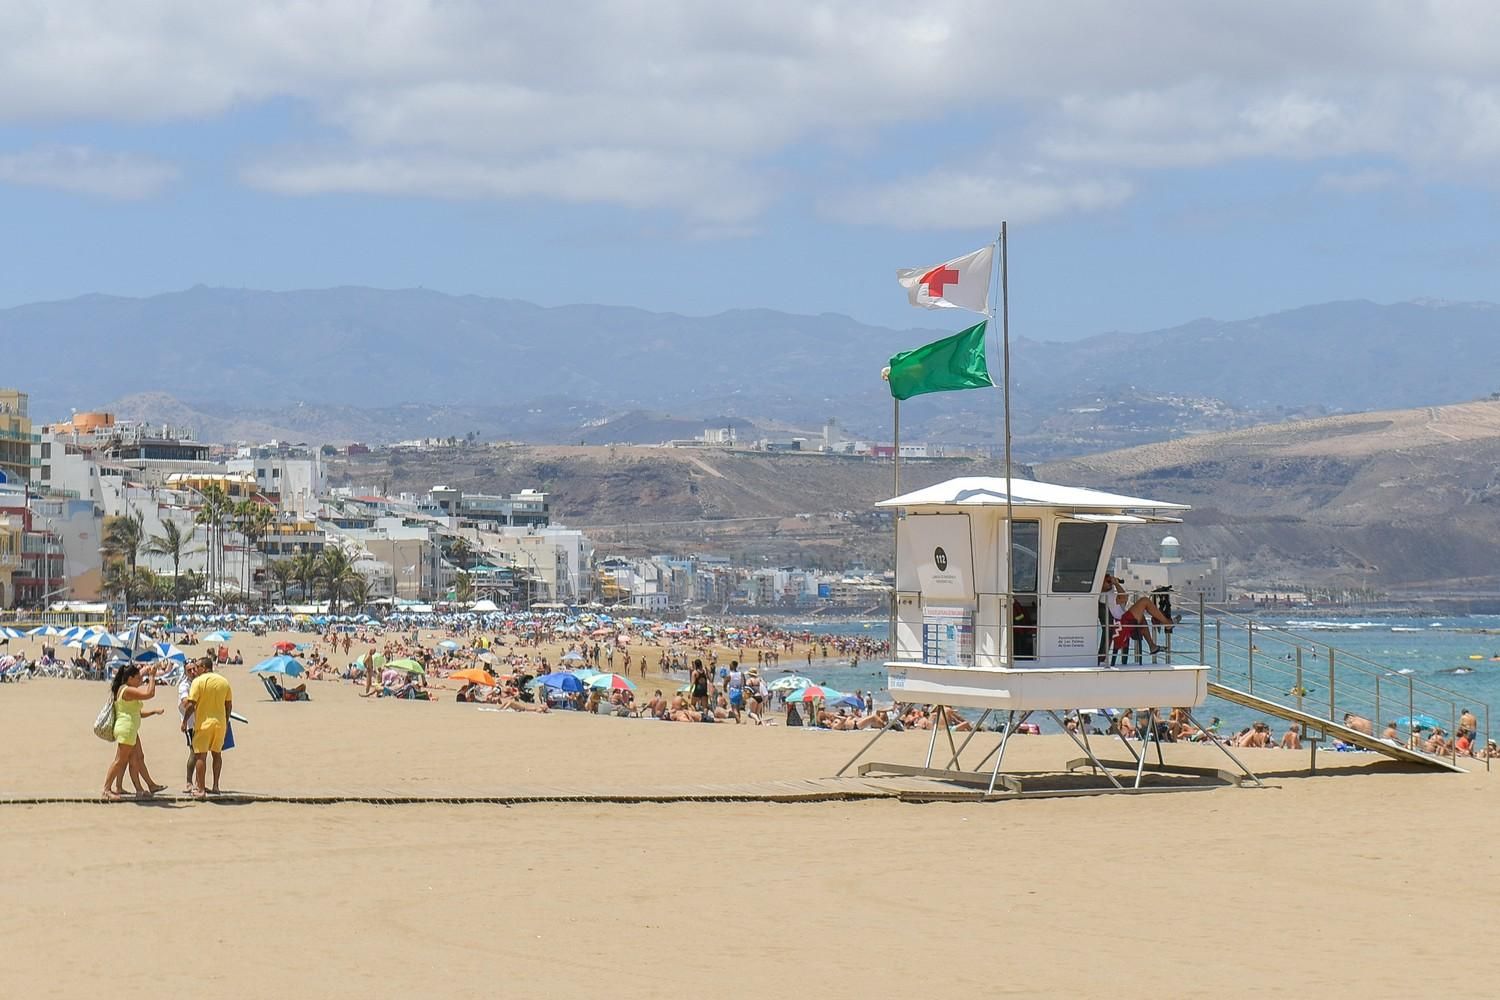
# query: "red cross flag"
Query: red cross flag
962,283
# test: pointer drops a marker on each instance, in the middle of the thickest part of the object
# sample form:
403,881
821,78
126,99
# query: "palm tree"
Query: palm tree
463,587
305,568
358,589
172,542
459,552
253,519
284,571
337,571
216,508
124,535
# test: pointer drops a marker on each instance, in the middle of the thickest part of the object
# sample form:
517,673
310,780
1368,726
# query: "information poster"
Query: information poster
948,636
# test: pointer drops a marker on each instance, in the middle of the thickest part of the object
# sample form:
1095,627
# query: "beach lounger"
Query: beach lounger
278,693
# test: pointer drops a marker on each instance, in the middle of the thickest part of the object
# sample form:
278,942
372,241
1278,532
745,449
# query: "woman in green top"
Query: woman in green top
129,692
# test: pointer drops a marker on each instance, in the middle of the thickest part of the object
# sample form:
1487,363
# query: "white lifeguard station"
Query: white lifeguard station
1019,631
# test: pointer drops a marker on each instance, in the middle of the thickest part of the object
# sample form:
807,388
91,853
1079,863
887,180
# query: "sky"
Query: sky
1154,162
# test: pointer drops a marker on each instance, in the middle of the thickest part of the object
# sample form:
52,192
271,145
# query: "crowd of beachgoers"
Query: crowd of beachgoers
635,667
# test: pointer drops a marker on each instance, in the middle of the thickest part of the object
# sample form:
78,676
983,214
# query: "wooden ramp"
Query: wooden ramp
1328,726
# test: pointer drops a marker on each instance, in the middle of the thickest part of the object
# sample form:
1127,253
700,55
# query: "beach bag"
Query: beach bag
104,722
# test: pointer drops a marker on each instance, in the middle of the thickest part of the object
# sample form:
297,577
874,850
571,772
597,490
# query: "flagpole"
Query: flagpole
1010,512
895,516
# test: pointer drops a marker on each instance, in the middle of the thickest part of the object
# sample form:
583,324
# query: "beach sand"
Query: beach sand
1362,878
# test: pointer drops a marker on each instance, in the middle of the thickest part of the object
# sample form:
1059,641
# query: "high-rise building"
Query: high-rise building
17,464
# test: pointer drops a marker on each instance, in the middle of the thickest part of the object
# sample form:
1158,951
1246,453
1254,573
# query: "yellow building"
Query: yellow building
16,438
10,556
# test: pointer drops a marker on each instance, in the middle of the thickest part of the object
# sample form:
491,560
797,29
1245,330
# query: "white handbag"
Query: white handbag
104,723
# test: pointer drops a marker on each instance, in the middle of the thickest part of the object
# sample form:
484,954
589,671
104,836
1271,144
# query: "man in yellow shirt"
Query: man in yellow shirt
209,702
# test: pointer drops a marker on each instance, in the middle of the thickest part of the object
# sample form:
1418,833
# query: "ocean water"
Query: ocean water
1461,654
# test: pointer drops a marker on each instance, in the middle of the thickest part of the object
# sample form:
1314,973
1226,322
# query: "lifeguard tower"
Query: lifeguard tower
1016,629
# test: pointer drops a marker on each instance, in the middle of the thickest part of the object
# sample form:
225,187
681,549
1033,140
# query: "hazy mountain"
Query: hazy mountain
378,365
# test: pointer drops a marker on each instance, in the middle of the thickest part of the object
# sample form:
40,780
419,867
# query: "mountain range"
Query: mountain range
376,365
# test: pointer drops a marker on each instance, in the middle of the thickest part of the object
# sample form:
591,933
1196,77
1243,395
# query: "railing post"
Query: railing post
1301,688
1330,685
1453,732
1411,711
1378,716
1218,651
1202,631
1250,658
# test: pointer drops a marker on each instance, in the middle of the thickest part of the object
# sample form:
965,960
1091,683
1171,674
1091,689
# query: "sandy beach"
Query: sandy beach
1363,878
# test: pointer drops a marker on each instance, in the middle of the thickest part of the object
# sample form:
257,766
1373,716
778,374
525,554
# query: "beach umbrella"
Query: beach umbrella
378,661
161,651
791,683
1419,721
108,641
472,676
220,636
448,644
559,682
847,701
11,633
286,666
611,682
488,658
407,664
814,693
573,655
44,630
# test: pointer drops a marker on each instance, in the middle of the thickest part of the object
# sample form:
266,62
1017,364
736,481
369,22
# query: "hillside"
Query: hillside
1393,500
378,365
1399,498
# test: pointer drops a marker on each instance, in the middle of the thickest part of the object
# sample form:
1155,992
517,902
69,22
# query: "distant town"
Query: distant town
100,510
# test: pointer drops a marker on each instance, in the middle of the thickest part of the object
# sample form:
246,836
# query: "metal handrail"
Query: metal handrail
1351,681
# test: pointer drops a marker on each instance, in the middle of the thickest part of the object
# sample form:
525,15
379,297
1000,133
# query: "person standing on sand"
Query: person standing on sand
211,700
190,674
369,671
128,753
734,686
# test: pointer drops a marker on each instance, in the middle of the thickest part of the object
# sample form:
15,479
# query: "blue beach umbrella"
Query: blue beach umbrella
448,644
559,682
286,666
220,636
161,651
44,630
1419,721
106,640
11,633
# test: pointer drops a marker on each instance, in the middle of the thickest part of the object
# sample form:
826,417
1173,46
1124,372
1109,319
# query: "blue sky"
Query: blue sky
1157,162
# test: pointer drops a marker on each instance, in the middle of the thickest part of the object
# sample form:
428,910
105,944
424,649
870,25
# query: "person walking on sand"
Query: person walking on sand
369,671
128,692
211,701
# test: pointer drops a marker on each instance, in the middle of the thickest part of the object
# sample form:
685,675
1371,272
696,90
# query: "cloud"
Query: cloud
946,199
1358,181
81,170
699,189
693,109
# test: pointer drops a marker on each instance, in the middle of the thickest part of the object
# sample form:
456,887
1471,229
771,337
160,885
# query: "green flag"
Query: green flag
955,362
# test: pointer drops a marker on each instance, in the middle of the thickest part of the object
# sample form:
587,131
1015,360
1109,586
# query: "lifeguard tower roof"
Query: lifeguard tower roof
989,491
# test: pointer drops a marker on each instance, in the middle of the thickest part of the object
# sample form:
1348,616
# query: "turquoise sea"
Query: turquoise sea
1458,653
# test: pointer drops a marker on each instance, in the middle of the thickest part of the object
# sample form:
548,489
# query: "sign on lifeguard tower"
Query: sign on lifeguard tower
977,624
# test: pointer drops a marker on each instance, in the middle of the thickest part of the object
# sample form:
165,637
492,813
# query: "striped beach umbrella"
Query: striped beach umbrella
44,630
11,633
611,682
815,693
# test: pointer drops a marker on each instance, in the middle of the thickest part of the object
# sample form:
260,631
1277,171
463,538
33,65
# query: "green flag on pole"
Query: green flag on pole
955,362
